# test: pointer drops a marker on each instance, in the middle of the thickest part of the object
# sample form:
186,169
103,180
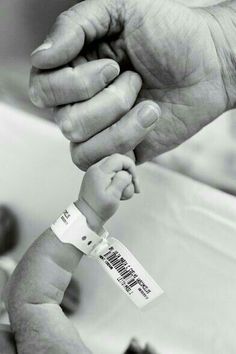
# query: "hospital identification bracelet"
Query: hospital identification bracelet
119,263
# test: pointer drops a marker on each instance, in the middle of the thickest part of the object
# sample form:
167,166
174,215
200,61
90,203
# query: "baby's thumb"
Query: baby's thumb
120,182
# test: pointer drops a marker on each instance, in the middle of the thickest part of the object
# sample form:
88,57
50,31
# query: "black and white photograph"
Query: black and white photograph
117,177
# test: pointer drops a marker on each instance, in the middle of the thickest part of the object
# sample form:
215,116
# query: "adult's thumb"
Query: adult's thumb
81,24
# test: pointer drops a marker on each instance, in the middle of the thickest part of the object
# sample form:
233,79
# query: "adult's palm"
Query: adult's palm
169,45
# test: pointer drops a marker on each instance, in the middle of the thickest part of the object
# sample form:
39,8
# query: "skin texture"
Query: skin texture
37,286
184,57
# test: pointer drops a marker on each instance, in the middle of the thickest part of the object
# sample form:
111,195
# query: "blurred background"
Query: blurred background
23,25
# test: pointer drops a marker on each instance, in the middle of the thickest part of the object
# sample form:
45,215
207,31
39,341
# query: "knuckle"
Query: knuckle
67,21
60,114
85,91
42,91
114,157
66,17
64,120
108,204
81,82
35,93
118,156
121,144
80,132
71,124
92,170
120,96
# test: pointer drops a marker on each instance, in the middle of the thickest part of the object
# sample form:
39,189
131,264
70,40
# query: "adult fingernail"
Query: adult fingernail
110,72
35,99
148,115
44,46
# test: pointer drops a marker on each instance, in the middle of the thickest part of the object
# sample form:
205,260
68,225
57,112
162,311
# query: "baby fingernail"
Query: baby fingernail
44,46
148,115
110,72
35,99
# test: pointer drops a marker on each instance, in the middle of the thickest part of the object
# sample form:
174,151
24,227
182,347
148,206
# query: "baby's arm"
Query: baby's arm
37,286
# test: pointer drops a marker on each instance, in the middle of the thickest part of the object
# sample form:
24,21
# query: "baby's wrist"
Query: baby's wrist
93,220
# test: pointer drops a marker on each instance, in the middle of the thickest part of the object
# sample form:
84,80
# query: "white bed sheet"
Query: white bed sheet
182,231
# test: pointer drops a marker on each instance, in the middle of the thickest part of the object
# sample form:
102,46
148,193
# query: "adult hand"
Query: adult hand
183,56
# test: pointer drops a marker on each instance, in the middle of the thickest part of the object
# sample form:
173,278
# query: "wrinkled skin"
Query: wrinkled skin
174,49
171,47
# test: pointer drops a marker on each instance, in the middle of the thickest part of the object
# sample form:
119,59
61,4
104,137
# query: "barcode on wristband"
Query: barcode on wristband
129,274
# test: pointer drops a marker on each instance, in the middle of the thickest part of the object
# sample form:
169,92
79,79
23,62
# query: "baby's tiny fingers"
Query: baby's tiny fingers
120,182
128,192
118,162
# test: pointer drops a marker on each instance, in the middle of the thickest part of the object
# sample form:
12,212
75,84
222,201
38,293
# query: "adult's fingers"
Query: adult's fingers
81,121
71,84
121,137
86,21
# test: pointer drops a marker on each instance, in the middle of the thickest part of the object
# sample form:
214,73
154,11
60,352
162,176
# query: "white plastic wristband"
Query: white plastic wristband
71,227
118,262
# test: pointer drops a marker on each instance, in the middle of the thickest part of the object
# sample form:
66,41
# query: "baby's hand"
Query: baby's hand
104,185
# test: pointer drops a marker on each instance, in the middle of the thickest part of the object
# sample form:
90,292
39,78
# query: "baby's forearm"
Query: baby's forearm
45,271
37,286
34,294
47,267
